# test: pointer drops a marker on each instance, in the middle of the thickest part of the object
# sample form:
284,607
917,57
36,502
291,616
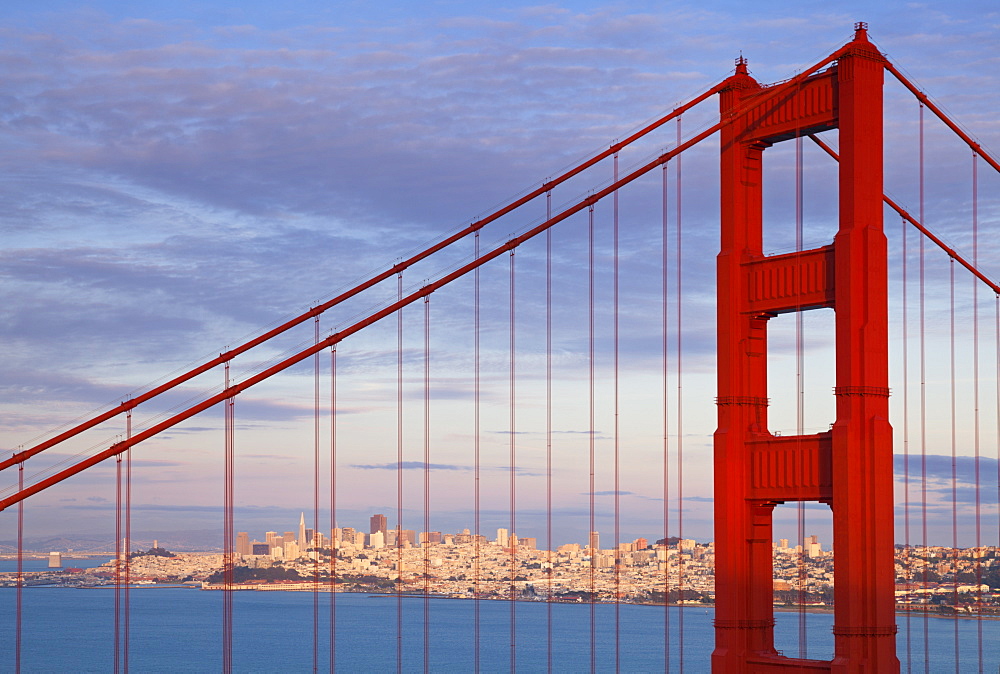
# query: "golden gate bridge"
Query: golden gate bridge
531,310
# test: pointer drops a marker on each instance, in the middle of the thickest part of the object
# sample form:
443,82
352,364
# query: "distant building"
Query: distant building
242,543
377,524
260,548
303,541
55,560
594,543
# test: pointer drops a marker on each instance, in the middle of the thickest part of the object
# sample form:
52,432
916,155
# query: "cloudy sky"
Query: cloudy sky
178,176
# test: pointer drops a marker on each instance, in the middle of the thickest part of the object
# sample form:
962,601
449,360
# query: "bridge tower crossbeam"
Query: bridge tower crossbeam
849,467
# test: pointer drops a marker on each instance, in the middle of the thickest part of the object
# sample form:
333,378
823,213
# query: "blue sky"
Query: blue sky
179,175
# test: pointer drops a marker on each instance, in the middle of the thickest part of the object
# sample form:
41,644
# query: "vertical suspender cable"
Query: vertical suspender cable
617,553
227,544
317,538
975,405
923,394
334,547
118,561
680,410
476,524
906,441
954,455
127,545
399,477
665,290
548,431
513,473
590,435
996,373
800,406
426,543
20,572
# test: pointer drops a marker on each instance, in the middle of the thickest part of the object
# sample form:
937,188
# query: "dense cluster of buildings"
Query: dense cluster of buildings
678,570
506,566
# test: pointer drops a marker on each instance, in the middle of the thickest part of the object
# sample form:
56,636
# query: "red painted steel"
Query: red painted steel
849,467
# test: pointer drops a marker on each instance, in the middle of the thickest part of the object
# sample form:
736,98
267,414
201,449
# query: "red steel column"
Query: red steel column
864,624
743,558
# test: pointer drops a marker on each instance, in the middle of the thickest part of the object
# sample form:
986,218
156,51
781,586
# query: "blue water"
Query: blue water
178,630
10,565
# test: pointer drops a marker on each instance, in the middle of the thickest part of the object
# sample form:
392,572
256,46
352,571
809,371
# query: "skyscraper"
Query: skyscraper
303,542
378,523
242,543
595,541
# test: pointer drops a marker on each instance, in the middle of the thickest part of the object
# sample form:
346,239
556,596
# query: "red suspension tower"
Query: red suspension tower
849,467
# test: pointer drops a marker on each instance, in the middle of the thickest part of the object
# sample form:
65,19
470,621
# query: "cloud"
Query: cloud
410,465
939,470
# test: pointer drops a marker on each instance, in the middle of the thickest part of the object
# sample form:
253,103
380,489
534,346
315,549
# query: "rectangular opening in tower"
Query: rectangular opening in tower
800,192
803,580
801,372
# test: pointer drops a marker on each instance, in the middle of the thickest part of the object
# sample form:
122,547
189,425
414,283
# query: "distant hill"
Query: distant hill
178,541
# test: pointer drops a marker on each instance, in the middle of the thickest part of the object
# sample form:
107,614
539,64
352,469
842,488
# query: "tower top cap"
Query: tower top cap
861,31
741,65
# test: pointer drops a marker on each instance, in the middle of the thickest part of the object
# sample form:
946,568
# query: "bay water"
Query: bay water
179,630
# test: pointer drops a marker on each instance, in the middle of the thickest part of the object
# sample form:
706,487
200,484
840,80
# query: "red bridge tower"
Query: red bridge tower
850,467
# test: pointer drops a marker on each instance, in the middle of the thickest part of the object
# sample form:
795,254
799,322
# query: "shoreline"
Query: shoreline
276,587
